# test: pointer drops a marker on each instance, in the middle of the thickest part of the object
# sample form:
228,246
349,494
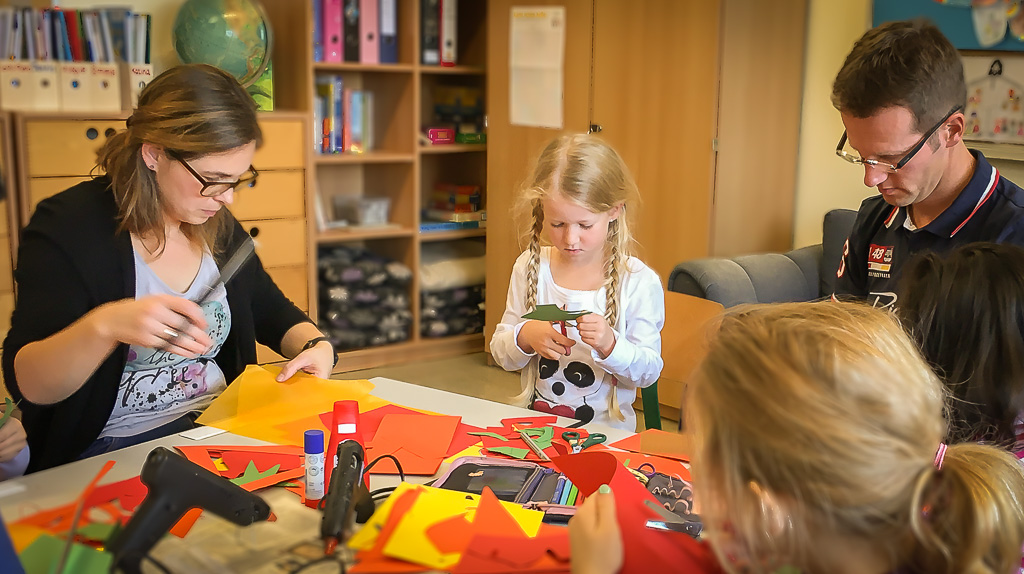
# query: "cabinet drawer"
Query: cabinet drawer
264,355
279,242
66,147
278,194
292,281
39,188
284,145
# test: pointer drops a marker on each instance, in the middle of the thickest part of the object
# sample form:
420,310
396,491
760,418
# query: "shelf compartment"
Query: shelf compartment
452,148
349,181
430,236
393,106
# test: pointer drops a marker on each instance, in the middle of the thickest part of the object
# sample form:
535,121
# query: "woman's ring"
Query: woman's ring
171,334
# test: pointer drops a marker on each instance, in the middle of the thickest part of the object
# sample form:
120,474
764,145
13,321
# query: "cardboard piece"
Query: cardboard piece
656,442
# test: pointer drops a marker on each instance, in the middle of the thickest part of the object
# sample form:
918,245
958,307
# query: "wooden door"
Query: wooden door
758,125
655,90
511,150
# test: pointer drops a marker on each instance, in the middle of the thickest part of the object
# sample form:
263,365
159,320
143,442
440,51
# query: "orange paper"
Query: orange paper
419,442
656,442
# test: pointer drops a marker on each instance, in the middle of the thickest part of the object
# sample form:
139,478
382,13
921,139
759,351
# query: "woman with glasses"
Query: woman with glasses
123,330
902,97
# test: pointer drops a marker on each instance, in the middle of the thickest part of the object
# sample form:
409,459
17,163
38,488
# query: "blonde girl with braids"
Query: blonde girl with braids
578,202
818,445
114,340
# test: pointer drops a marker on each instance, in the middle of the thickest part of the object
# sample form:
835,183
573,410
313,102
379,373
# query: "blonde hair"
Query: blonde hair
831,409
190,110
587,171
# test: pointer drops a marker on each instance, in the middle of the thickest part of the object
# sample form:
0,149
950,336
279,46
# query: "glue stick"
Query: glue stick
313,446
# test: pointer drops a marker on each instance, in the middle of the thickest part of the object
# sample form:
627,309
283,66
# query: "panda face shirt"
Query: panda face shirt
579,385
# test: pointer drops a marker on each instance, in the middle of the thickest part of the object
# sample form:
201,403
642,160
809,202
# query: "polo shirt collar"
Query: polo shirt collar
978,191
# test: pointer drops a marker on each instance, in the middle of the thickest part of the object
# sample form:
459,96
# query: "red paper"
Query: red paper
463,439
374,560
498,544
667,466
369,421
646,550
420,442
237,461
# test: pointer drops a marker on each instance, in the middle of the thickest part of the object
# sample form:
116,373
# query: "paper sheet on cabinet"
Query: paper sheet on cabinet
536,66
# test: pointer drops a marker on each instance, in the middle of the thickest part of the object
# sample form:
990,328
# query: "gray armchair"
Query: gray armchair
802,274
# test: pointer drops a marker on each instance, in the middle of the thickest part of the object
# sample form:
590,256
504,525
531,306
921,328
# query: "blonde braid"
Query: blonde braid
534,266
530,382
613,270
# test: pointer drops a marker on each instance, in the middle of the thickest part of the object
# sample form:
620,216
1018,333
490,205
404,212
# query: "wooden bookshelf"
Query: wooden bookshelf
400,168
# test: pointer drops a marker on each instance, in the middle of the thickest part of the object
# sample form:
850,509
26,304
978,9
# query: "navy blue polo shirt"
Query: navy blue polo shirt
883,240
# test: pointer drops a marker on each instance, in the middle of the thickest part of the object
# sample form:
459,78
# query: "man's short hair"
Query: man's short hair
909,64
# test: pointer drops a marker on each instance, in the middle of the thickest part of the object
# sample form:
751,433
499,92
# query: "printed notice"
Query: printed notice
536,66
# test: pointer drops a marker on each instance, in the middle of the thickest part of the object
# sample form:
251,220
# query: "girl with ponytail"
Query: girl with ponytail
819,446
578,201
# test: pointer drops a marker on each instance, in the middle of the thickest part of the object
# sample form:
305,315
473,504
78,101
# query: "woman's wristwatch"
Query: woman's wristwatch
317,340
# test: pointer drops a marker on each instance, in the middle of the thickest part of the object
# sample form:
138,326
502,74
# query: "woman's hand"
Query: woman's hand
12,439
317,360
165,322
594,536
540,337
596,332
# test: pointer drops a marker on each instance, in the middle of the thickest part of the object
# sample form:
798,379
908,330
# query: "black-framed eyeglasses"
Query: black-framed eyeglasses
215,188
857,160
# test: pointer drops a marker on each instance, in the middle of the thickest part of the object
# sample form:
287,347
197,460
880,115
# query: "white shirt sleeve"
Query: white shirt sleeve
636,358
504,348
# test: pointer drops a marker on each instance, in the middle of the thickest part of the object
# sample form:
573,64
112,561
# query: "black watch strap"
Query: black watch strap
315,341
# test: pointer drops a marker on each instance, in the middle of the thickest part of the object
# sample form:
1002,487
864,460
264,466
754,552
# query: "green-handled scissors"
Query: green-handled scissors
574,438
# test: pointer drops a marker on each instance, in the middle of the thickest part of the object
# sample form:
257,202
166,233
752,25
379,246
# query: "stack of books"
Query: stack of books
452,206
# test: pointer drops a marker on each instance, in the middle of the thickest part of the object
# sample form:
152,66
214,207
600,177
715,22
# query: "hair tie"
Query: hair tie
940,455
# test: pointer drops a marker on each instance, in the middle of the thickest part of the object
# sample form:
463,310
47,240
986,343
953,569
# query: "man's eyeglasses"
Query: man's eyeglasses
215,188
891,168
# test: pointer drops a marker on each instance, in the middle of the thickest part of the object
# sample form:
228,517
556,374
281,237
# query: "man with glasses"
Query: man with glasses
901,94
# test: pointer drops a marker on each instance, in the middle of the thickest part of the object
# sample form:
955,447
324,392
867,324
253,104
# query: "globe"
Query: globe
233,35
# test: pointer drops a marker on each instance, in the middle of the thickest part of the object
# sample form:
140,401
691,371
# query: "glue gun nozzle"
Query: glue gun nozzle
329,545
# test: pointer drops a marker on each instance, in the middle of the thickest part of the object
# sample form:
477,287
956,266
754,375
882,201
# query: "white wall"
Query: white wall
823,181
162,54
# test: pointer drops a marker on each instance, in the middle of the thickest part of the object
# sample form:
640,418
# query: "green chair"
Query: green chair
652,409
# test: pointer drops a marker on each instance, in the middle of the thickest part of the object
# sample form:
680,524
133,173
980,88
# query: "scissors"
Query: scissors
574,438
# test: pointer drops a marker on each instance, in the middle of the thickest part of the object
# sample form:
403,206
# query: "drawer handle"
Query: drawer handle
92,133
254,232
110,132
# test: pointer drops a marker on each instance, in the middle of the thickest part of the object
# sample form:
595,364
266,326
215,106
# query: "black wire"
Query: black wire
159,565
398,465
341,564
387,490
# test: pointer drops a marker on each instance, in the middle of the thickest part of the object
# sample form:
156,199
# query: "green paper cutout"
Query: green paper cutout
541,435
96,531
490,434
512,451
8,411
45,552
252,474
290,484
552,313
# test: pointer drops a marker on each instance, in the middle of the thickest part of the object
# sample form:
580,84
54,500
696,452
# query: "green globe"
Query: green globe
233,35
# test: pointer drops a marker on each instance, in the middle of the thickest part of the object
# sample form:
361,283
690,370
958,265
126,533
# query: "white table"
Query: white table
49,488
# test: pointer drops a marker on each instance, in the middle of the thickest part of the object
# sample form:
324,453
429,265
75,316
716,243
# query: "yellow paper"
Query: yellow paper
23,535
472,450
255,404
366,537
409,540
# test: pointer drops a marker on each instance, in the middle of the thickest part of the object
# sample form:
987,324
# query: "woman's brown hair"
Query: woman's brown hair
190,111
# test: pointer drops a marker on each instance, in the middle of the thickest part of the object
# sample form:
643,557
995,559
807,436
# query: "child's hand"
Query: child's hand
12,439
594,536
595,331
541,337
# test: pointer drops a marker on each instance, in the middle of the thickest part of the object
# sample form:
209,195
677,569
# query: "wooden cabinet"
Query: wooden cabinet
702,100
399,169
57,151
8,227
